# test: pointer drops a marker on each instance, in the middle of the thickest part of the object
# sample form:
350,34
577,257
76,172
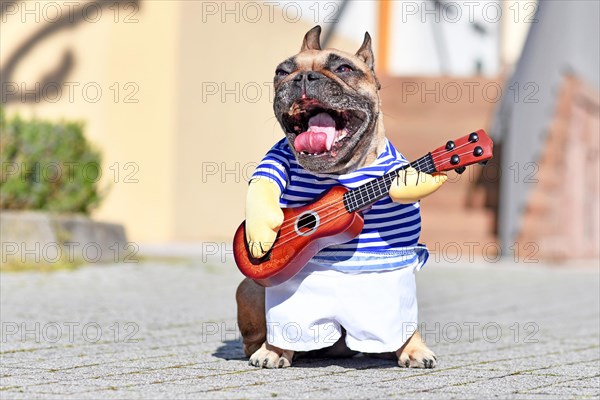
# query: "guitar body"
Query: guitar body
304,232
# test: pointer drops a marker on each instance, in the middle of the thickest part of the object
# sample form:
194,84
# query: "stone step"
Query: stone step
477,220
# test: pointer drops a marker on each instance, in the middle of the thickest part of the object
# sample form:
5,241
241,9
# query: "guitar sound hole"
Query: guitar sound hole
307,223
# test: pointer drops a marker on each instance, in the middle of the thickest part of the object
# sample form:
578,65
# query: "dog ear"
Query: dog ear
365,52
312,39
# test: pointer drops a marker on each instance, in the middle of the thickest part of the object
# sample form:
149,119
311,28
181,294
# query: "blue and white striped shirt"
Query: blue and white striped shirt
389,239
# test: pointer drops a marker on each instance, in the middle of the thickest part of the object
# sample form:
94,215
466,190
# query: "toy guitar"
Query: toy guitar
336,217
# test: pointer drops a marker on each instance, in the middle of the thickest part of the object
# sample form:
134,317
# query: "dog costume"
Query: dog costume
367,285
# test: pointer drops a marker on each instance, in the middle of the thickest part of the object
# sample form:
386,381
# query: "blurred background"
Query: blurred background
175,97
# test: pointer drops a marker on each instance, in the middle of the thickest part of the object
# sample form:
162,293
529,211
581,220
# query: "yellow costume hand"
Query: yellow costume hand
263,216
411,186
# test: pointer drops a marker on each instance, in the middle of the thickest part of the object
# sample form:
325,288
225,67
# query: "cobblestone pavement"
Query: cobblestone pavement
168,331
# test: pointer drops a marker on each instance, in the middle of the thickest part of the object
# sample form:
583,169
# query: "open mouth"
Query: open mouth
320,130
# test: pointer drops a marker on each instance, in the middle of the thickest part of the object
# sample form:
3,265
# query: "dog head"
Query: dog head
327,103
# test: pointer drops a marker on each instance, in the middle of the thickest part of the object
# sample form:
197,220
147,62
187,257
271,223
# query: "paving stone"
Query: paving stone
169,331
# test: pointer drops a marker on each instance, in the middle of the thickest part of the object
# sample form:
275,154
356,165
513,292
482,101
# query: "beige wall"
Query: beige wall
108,52
219,139
173,137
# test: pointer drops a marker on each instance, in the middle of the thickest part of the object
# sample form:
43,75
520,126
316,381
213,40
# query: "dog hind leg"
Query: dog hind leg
415,354
250,298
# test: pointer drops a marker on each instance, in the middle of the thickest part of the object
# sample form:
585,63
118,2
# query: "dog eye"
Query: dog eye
281,72
344,68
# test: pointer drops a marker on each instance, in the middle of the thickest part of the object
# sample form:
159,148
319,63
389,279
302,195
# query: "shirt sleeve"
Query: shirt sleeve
399,159
275,166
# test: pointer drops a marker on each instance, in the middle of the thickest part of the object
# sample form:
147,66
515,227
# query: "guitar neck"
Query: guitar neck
372,191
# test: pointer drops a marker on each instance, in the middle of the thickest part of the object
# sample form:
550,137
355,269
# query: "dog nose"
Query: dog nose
308,76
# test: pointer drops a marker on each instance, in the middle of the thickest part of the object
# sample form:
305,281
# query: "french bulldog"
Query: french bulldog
327,103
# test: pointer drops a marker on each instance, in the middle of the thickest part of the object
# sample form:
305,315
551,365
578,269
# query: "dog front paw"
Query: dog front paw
271,357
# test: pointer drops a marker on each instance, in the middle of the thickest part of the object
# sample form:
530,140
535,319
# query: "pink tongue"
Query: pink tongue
311,142
319,137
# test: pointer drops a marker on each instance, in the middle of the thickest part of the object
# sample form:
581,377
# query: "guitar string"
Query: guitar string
332,215
336,213
428,163
454,149
424,161
462,154
360,191
323,218
419,164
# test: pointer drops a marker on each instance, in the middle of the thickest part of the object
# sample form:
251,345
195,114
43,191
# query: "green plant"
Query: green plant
47,166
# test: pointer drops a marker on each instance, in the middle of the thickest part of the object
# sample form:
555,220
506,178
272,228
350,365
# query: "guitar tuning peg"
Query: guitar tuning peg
450,145
460,170
483,162
473,137
478,151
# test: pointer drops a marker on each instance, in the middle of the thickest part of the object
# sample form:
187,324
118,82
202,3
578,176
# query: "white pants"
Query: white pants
377,309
